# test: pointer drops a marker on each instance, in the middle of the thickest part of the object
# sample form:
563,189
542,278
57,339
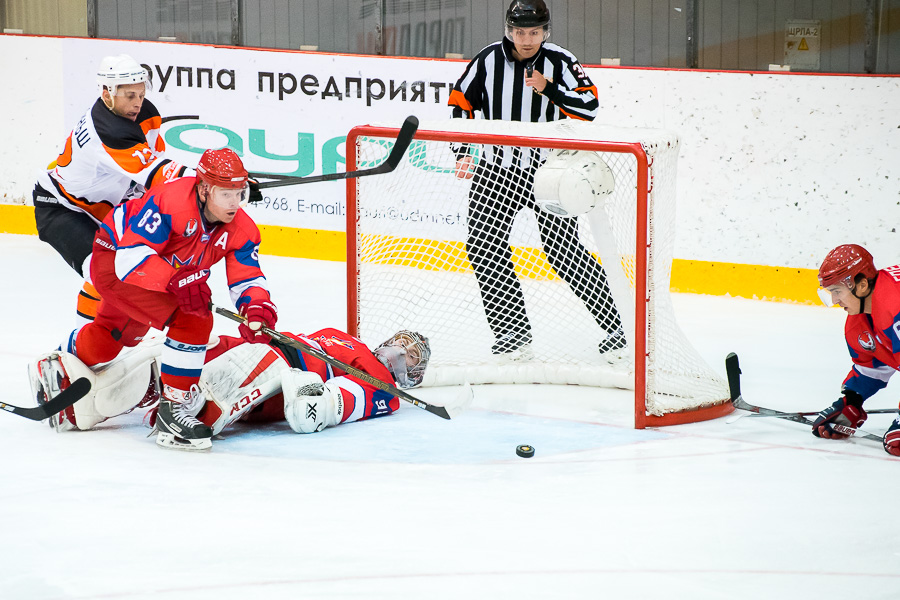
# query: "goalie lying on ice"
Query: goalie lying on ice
256,382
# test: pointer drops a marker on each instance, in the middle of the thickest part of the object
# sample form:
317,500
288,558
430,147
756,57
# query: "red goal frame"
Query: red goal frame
642,248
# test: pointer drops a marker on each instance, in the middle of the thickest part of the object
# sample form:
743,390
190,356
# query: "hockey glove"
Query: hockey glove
254,195
892,438
258,313
190,289
847,411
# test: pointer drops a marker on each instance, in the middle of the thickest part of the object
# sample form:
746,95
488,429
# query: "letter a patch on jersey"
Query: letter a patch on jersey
222,241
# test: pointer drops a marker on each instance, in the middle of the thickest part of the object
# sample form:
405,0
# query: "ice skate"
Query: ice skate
513,346
614,349
176,427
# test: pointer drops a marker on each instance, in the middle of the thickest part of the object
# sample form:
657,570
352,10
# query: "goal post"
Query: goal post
414,234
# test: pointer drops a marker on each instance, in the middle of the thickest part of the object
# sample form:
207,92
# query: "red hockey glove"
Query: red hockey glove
258,313
190,288
892,438
847,411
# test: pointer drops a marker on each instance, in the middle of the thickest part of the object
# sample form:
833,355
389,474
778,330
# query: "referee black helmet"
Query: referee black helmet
528,13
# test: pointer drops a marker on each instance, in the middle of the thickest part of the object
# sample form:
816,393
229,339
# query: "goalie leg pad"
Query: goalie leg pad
310,405
49,375
237,381
116,387
122,384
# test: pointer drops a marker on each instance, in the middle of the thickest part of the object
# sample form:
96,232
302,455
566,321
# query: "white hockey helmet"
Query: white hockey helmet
571,182
118,70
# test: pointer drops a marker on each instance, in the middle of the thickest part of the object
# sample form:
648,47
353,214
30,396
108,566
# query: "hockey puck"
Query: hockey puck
525,451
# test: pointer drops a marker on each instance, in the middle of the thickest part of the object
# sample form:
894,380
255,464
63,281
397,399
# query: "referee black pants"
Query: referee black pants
495,198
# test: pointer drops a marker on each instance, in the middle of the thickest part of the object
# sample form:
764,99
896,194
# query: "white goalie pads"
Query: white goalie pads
310,405
116,387
572,182
241,379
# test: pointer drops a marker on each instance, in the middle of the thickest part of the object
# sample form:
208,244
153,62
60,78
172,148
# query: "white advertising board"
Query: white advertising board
775,168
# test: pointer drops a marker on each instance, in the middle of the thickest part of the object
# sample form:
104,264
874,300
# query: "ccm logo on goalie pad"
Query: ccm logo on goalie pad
245,402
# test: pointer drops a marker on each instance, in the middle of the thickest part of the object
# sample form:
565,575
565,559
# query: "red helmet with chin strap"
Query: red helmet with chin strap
222,168
844,263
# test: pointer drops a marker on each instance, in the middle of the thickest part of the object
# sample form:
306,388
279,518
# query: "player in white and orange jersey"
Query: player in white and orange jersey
115,152
151,259
848,278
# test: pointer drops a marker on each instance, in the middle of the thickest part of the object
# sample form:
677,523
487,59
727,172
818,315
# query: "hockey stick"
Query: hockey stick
445,412
77,390
404,139
874,411
733,371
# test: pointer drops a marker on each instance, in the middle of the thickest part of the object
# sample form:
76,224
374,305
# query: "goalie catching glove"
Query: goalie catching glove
846,411
310,405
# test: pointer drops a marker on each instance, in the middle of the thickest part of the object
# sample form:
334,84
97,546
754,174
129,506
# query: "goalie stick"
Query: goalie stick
77,390
445,412
404,139
733,371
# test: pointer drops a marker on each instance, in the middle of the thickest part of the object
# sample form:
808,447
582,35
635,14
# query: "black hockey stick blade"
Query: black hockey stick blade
401,144
440,411
77,390
733,372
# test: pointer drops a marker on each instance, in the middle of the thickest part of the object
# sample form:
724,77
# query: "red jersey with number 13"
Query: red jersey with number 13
164,230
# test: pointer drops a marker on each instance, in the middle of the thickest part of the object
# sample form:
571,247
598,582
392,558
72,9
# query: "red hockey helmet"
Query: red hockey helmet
844,263
222,168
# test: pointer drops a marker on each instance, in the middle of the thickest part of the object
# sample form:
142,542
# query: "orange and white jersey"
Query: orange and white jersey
108,159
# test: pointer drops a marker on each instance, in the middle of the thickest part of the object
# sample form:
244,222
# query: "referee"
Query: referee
496,84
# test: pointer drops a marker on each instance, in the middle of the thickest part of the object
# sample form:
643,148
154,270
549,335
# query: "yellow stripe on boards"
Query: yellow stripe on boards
17,218
303,243
760,282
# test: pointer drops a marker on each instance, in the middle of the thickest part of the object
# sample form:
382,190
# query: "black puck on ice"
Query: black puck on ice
525,451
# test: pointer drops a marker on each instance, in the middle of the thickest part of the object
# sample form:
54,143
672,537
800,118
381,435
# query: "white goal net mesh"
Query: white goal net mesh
476,267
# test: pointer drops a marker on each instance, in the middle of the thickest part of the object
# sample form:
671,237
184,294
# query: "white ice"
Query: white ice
411,506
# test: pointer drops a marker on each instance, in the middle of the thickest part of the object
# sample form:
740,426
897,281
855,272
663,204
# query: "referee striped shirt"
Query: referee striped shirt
493,85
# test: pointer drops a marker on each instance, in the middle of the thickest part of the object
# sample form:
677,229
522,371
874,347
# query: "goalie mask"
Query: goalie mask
406,355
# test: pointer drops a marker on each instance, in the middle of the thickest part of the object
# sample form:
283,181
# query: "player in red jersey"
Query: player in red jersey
151,260
848,277
254,382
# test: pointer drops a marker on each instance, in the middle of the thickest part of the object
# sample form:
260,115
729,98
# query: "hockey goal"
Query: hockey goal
408,265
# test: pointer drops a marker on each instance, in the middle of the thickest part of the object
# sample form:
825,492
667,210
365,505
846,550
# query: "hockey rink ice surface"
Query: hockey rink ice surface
411,506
